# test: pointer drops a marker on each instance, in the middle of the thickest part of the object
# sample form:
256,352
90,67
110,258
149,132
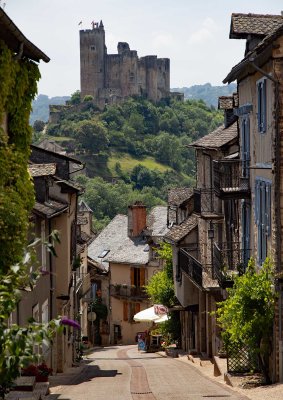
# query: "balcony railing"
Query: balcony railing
205,201
190,265
229,259
127,291
231,178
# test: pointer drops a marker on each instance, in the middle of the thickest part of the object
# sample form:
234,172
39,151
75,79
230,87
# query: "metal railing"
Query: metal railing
231,177
190,265
229,258
128,291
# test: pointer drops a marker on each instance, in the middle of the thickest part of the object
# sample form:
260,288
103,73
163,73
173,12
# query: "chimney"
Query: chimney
227,103
136,219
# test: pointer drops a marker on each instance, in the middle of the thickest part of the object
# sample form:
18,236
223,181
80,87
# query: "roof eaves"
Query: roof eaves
14,38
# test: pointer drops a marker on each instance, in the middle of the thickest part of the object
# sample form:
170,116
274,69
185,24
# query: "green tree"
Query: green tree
247,314
38,126
92,136
160,287
75,97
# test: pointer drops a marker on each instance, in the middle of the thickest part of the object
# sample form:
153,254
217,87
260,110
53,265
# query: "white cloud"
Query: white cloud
206,32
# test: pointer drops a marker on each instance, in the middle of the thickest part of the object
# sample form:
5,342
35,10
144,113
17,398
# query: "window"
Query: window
261,105
92,47
129,310
262,216
245,145
43,248
103,253
137,277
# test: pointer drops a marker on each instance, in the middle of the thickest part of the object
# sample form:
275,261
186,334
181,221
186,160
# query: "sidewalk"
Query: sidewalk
218,371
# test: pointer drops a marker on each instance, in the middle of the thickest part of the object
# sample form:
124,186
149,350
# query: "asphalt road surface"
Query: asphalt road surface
123,373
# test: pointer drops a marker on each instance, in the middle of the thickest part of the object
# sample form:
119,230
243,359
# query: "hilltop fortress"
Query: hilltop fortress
111,78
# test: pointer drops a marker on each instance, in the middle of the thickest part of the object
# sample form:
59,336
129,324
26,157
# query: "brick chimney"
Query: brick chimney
136,219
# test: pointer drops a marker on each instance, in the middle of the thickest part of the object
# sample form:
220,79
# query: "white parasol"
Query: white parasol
156,313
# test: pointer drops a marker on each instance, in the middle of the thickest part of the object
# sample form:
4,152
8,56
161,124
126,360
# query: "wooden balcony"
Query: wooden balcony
231,179
229,259
127,292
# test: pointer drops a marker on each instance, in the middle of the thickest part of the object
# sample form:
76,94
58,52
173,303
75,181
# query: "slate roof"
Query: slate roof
49,209
252,55
14,39
243,25
218,138
122,249
178,232
37,170
83,206
177,196
157,221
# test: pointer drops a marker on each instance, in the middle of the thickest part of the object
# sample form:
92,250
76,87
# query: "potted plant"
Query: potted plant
41,372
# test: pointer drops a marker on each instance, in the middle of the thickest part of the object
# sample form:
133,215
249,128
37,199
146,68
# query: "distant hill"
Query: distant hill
40,106
208,93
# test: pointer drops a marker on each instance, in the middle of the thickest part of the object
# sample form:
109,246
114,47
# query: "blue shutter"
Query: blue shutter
257,201
262,221
264,110
258,86
268,209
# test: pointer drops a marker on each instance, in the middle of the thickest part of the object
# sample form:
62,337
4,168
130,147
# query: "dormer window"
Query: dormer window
261,105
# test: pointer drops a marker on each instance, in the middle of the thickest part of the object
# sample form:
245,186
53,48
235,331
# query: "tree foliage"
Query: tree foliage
160,287
247,314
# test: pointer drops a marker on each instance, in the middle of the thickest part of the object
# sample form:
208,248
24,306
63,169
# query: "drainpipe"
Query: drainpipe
51,292
277,211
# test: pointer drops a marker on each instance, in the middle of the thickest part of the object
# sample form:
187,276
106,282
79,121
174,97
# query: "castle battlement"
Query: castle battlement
112,78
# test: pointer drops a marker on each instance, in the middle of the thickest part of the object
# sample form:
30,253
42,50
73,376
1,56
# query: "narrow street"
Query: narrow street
122,373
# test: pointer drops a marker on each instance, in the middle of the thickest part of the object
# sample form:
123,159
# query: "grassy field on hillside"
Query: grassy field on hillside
128,162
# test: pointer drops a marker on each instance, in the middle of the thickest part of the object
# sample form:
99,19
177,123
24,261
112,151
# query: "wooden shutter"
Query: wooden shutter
142,277
259,107
263,120
125,311
132,276
268,209
137,307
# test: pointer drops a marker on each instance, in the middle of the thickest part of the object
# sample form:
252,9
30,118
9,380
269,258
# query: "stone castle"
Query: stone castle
111,78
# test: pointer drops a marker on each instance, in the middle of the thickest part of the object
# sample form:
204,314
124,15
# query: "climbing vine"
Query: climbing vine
18,87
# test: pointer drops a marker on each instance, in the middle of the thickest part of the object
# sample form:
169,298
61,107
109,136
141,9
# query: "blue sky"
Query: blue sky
193,34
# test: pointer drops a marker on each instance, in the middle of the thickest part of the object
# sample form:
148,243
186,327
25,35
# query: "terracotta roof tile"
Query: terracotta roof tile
178,232
42,169
178,195
243,25
218,138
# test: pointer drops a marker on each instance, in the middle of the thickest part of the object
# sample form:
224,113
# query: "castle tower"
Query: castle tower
92,57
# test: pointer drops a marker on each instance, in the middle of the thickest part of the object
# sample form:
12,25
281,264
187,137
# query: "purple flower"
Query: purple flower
70,322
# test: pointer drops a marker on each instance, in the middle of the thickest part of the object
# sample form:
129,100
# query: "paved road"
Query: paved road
122,373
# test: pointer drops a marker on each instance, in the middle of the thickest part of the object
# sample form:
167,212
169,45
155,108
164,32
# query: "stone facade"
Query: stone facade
111,78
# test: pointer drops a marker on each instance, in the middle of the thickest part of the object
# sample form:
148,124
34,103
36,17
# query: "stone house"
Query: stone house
55,209
202,225
259,78
124,252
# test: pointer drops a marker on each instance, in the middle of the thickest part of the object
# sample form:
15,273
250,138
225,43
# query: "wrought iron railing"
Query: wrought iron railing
128,291
190,265
231,177
228,259
205,201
